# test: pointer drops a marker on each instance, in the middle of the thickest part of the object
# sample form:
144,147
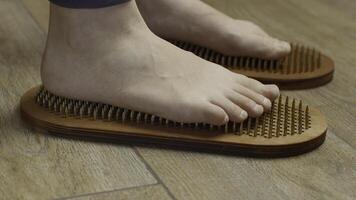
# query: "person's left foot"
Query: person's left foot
196,22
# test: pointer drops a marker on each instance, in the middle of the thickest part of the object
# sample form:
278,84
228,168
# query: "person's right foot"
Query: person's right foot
109,55
196,22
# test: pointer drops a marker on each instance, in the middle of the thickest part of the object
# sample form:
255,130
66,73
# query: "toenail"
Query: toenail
267,103
285,46
258,109
273,89
243,114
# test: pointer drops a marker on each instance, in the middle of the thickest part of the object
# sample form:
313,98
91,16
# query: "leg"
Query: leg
109,55
196,22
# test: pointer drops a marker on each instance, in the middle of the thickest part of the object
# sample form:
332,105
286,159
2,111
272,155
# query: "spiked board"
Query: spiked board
291,128
303,68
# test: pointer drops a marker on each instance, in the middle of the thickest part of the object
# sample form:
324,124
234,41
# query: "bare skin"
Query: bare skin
109,55
196,22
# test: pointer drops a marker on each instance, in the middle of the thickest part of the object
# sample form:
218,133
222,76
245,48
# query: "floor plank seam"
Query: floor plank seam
154,174
108,191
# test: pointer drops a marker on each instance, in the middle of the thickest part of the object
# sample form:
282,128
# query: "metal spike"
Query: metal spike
132,115
263,131
274,65
248,125
124,115
118,114
196,125
301,59
226,128
138,117
221,59
110,113
247,62
319,60
258,64
181,125
293,118
145,118
307,124
289,59
313,60
202,52
43,103
306,68
234,127
279,114
209,55
241,62
185,46
55,107
264,65
89,111
66,111
194,49
178,43
286,113
95,112
61,108
255,132
253,63
241,127
295,59
197,50
228,61
300,118
38,99
270,130
214,57
235,61
76,108
153,119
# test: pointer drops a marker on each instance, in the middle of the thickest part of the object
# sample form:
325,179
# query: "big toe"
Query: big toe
271,91
276,48
270,48
212,114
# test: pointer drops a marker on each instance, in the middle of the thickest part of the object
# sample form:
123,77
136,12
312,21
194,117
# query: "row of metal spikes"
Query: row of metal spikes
301,59
283,119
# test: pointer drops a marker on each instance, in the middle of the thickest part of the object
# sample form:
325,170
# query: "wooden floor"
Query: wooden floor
36,166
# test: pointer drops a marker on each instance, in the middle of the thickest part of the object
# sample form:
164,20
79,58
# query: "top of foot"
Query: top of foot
196,22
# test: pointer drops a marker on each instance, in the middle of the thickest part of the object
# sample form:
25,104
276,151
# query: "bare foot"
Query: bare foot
196,22
109,55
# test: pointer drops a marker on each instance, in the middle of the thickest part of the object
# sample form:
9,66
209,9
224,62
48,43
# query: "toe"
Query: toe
235,112
276,48
250,106
213,114
255,96
270,48
269,91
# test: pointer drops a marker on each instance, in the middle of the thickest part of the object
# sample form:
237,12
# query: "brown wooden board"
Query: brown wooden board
303,68
290,128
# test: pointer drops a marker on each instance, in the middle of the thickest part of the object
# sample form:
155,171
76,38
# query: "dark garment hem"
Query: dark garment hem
87,3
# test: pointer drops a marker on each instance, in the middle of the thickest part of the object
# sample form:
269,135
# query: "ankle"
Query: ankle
78,27
82,38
